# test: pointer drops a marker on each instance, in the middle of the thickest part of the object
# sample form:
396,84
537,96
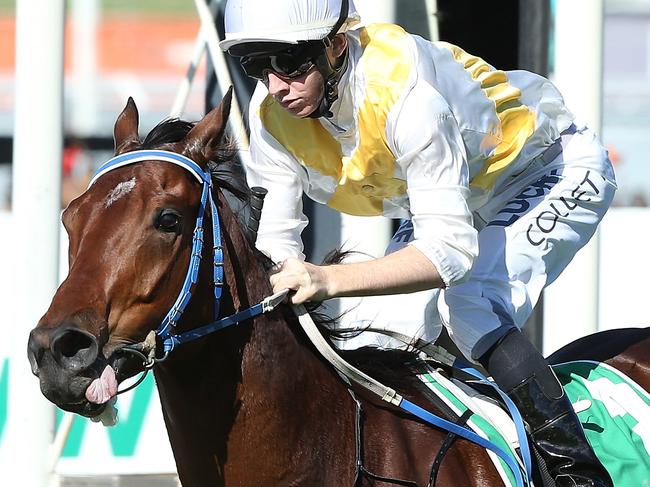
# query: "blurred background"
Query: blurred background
114,49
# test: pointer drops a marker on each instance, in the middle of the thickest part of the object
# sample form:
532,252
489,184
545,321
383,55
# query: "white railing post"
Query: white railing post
571,303
36,207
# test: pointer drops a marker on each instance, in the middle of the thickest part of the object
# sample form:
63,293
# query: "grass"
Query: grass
128,7
7,6
149,6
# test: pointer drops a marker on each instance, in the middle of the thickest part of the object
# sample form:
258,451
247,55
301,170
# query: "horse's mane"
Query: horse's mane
226,168
228,174
166,133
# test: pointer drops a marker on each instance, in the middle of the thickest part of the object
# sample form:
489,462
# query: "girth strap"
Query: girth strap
444,448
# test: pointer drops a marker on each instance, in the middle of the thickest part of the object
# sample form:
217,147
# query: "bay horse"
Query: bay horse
254,404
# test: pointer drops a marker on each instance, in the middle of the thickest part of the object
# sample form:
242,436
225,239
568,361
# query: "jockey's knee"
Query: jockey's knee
490,340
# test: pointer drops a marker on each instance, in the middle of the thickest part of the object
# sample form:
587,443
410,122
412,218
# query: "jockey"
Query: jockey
489,169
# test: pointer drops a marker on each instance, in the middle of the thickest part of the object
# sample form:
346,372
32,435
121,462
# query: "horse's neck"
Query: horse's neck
248,384
275,354
231,395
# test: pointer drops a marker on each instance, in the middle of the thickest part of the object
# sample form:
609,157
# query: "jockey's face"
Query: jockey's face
299,96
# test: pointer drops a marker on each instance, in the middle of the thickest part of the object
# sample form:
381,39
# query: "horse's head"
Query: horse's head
130,239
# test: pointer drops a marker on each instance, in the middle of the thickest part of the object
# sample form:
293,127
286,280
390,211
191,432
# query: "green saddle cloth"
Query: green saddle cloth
615,414
613,409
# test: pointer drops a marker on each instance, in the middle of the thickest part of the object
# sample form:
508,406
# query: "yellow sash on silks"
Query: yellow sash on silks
365,178
516,120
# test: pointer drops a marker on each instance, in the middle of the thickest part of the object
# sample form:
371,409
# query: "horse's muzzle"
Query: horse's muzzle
66,359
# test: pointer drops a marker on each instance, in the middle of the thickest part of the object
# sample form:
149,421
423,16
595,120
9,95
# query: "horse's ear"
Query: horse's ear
125,132
201,144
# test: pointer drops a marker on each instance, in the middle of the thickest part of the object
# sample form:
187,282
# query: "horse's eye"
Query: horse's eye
168,221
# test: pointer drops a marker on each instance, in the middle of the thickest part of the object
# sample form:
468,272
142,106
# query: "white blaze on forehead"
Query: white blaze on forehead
120,190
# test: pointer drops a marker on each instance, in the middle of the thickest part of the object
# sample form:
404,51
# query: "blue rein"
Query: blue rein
167,327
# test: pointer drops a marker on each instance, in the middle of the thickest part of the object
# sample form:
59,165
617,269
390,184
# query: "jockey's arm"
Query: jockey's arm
404,271
269,166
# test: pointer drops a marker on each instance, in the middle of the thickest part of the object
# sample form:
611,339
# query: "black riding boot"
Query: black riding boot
523,373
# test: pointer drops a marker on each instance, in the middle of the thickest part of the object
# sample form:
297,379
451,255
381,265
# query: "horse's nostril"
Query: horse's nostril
72,343
74,348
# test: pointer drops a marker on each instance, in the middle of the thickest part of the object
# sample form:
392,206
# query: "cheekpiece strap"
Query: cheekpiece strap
218,257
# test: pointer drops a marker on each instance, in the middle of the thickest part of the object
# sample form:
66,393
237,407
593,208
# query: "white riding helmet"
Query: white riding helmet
288,35
283,21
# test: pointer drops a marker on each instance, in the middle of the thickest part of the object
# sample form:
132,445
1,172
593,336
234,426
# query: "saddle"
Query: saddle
613,409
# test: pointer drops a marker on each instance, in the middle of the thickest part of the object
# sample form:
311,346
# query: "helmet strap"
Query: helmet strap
331,77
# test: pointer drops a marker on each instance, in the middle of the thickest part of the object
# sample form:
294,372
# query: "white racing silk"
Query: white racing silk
421,130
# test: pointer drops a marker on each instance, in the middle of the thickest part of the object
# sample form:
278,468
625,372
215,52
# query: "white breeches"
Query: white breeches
528,232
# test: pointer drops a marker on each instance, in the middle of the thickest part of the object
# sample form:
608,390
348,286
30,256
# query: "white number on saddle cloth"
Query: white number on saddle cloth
617,421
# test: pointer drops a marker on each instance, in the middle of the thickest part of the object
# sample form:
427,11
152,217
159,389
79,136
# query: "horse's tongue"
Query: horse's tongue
103,388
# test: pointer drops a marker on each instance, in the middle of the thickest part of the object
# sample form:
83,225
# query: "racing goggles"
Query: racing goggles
289,63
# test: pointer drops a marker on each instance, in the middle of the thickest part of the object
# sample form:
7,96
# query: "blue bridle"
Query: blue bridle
167,327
